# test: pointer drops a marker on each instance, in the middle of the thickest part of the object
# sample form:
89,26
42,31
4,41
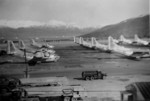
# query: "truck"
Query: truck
92,75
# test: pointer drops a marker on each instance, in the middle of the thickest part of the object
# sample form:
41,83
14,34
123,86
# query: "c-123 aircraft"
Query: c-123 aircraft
123,40
12,50
137,40
42,55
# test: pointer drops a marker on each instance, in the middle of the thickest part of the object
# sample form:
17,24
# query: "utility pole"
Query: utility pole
27,68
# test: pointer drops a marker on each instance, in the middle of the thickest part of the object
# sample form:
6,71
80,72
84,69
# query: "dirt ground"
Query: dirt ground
74,59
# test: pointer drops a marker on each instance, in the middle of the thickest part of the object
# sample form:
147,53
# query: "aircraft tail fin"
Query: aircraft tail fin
122,38
136,37
111,43
93,41
21,44
33,41
74,39
81,40
11,48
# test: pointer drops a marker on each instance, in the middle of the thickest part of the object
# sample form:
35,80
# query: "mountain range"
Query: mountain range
43,31
128,28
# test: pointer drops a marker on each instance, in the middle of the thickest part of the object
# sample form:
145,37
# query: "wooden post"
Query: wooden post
27,68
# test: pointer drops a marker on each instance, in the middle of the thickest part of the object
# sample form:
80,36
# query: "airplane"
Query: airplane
100,46
123,40
127,52
22,46
43,57
38,45
139,41
77,40
12,50
86,44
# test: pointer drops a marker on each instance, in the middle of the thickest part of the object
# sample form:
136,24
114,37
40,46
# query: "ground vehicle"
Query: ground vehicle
90,75
10,89
9,82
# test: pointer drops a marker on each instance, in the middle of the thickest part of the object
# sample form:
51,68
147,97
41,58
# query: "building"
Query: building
137,91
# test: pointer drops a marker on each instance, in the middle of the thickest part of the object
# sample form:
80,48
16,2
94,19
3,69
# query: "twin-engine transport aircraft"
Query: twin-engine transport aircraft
39,45
124,40
12,50
127,52
22,46
100,46
43,57
140,41
87,44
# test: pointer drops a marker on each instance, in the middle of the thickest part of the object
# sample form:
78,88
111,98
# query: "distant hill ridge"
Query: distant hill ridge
128,28
42,31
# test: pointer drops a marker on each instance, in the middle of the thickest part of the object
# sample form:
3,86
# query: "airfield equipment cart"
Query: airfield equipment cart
91,75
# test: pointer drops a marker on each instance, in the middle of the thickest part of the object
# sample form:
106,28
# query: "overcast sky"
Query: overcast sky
80,12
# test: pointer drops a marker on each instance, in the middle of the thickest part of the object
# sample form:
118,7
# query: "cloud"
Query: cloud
16,24
23,23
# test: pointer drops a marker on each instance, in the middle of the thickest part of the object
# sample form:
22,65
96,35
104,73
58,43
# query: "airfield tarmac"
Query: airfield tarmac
74,59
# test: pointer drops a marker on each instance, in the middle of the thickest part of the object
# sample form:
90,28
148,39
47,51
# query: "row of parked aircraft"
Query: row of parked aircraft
114,47
42,53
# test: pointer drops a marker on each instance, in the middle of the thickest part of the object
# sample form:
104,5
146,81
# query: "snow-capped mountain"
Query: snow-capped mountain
28,29
51,23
